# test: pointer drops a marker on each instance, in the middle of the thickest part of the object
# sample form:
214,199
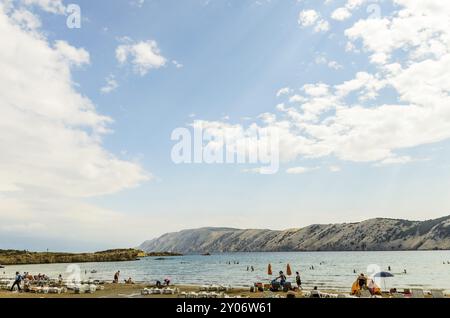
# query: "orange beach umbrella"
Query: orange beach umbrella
288,270
269,270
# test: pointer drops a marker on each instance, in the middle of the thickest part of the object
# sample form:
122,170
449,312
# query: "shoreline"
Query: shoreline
135,291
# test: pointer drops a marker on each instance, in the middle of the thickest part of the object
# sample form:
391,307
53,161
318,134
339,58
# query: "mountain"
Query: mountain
371,235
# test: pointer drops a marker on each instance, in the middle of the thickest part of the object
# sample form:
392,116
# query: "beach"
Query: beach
329,272
135,291
332,270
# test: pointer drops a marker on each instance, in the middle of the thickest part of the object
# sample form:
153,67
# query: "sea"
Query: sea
326,270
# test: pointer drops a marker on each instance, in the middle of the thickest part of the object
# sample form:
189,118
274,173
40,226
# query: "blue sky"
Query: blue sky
376,150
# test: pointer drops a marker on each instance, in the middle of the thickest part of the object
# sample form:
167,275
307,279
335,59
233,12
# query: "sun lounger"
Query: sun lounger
437,293
168,291
91,289
192,295
156,291
54,290
417,293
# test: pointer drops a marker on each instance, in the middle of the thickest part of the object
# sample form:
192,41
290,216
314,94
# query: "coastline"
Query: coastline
16,257
135,291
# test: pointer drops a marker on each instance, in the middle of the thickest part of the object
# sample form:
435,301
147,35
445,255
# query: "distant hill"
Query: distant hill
14,257
371,235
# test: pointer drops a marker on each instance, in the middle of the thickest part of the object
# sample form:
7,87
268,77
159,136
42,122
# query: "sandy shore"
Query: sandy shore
120,291
134,291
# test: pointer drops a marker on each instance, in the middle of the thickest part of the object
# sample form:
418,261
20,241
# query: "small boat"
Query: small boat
93,271
1,266
206,254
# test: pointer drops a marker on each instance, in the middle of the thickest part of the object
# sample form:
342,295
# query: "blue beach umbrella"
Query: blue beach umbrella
383,275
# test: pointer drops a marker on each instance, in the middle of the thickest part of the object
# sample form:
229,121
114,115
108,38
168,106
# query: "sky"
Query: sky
92,91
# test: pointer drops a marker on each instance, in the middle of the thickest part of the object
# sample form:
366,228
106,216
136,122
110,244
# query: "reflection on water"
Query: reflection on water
332,270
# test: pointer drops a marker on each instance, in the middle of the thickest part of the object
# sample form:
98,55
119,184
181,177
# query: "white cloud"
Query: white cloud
334,169
51,136
308,17
410,52
144,56
396,160
26,19
345,12
71,54
311,18
111,85
52,6
321,59
283,91
341,14
177,64
299,170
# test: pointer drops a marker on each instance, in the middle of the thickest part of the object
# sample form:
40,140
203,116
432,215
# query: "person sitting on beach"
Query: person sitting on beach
282,278
298,280
116,277
362,281
166,281
129,281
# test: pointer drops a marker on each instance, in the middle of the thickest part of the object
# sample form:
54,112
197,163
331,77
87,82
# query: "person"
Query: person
116,277
298,280
248,268
166,281
252,268
404,271
17,282
129,281
282,278
389,268
315,293
158,284
60,279
362,281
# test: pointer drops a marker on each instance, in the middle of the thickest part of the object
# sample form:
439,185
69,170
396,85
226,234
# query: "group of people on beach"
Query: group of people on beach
117,276
283,280
27,278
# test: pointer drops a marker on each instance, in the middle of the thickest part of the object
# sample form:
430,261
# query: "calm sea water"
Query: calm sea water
332,270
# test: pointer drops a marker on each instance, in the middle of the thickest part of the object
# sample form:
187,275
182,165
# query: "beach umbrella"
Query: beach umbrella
383,275
288,270
269,270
